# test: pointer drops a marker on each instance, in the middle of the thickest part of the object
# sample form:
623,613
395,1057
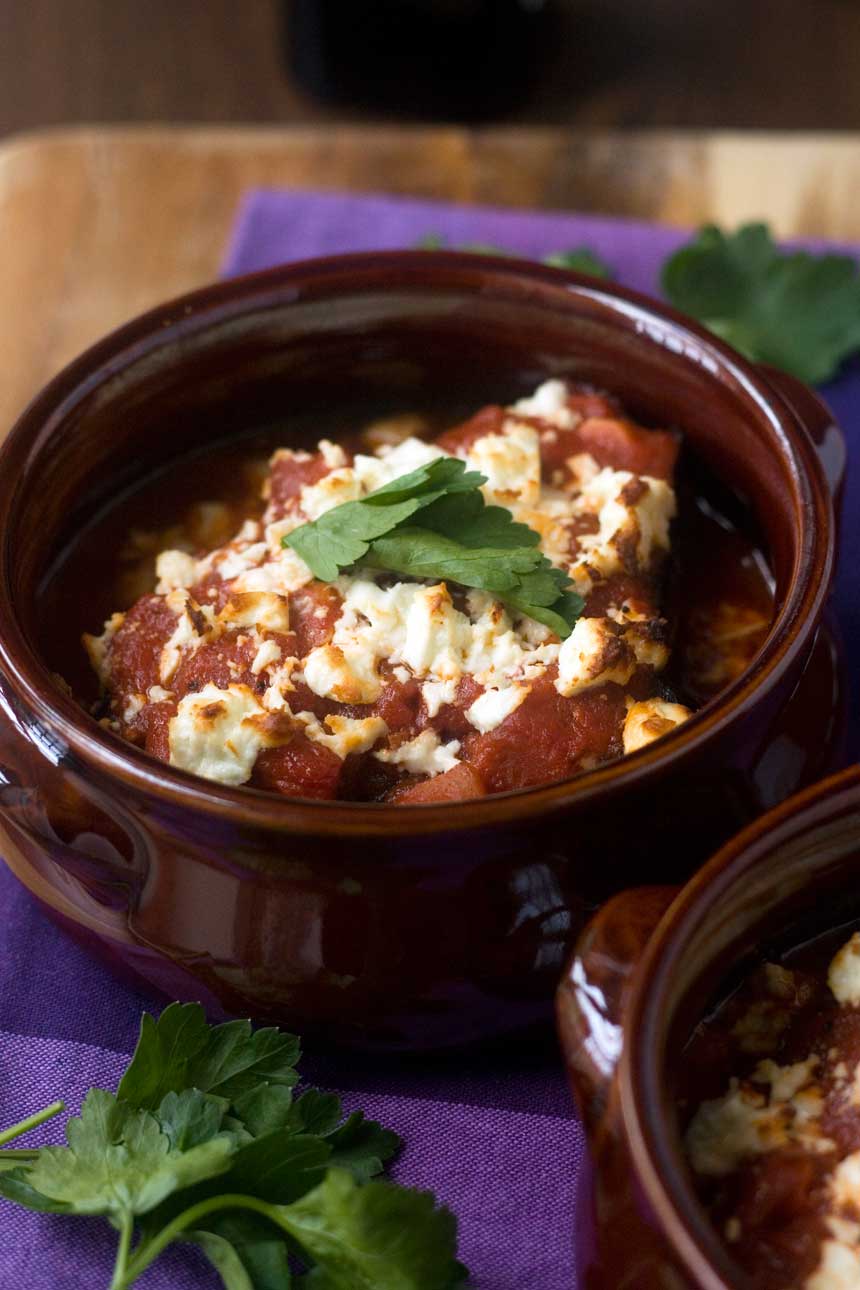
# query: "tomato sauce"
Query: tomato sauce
714,623
773,1157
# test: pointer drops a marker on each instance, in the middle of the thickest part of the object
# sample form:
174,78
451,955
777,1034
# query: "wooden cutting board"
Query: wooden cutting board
97,224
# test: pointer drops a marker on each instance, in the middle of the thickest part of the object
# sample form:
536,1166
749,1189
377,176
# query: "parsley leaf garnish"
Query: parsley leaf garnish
204,1142
343,535
180,1050
456,537
798,311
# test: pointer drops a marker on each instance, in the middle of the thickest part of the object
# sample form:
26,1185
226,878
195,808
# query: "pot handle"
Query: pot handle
591,996
819,422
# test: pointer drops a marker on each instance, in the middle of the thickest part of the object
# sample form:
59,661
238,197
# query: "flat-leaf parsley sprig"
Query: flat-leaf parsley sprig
205,1142
798,311
434,523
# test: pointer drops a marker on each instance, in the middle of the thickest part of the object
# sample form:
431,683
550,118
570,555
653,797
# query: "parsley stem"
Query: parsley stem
190,1218
120,1268
31,1122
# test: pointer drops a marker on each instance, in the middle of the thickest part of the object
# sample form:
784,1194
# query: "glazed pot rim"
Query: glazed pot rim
106,754
660,1170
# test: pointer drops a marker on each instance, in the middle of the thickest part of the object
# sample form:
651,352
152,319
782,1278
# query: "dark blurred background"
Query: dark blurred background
672,63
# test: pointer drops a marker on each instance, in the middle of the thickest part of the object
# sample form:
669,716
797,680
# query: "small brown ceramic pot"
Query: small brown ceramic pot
650,966
419,926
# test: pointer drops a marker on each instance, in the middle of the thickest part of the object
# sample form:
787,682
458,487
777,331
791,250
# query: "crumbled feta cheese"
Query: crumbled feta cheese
214,734
404,457
264,610
231,562
133,708
194,624
845,1183
280,685
423,755
549,403
174,569
332,490
436,694
727,1130
156,694
550,517
97,647
366,474
745,1123
435,633
268,652
843,976
497,653
784,1081
418,625
511,463
649,651
284,573
407,623
290,454
838,1269
533,632
593,654
653,513
650,720
278,530
492,707
332,454
583,468
633,514
344,735
333,674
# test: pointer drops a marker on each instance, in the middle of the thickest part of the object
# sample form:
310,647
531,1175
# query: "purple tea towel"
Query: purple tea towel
493,1136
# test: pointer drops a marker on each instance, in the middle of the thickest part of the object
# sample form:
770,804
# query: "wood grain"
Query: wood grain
99,224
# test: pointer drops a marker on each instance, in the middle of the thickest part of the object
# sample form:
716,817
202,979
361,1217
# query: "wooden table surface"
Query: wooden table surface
97,224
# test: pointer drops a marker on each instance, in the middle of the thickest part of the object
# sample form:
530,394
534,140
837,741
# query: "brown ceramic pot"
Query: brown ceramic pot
369,924
650,966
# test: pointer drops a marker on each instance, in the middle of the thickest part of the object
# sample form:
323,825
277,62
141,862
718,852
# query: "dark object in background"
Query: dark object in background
446,59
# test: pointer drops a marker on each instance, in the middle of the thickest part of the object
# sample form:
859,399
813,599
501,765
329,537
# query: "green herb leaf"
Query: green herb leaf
459,539
317,1112
207,1146
241,1244
274,1170
362,1146
798,311
280,1167
228,1262
421,553
264,1109
342,535
118,1161
376,1237
181,1051
476,524
191,1117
